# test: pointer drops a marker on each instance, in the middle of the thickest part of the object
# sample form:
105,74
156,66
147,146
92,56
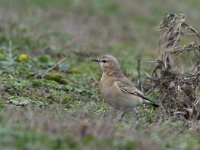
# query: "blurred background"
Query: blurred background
122,28
113,26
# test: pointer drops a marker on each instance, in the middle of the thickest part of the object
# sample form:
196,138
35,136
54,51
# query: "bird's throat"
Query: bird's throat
112,73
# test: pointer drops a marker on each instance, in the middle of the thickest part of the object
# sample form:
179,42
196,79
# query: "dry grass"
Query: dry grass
178,89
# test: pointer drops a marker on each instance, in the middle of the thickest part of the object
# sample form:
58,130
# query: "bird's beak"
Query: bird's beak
95,60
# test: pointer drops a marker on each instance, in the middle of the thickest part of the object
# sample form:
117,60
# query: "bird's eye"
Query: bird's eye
104,61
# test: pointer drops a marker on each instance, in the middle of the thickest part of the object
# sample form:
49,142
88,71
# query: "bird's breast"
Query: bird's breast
115,97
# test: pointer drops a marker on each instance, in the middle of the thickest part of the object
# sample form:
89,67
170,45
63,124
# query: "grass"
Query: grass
64,110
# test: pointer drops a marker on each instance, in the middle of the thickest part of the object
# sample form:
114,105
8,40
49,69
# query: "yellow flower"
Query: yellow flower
23,57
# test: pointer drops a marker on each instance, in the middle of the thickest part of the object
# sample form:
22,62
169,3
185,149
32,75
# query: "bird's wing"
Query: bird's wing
127,86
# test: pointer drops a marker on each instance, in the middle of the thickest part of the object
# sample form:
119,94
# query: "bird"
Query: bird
116,89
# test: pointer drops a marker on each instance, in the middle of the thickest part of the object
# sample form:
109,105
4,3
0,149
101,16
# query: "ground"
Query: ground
61,107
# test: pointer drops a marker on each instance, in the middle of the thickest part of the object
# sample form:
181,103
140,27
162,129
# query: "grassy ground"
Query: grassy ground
64,109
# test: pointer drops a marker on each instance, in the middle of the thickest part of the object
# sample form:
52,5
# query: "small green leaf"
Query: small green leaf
21,101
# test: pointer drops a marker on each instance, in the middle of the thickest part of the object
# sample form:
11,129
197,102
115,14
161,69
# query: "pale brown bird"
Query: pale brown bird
116,89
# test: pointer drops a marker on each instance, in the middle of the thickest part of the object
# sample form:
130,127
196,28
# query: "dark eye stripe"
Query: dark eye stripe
104,61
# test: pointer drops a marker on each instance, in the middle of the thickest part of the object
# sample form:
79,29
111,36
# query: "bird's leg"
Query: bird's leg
122,116
129,109
135,113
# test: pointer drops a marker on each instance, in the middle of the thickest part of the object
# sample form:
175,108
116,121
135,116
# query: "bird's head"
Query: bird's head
108,63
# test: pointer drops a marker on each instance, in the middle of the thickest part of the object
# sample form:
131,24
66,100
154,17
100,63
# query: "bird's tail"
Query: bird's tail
149,102
155,105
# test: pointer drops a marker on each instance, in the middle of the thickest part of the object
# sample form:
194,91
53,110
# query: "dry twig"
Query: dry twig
54,66
178,90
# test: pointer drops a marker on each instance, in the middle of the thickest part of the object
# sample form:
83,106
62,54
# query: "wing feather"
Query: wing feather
127,87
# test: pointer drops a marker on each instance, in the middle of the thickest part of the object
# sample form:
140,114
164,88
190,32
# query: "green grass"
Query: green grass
64,109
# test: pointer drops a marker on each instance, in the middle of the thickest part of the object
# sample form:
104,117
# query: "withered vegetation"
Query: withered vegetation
176,75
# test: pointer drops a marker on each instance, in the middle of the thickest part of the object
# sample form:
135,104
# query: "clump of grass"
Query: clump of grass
177,72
